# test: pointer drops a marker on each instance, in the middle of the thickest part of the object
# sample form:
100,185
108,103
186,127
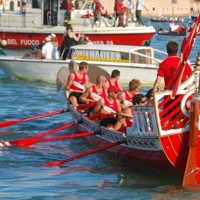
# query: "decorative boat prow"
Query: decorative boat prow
178,126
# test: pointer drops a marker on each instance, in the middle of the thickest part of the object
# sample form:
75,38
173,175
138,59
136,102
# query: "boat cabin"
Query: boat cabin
116,54
139,62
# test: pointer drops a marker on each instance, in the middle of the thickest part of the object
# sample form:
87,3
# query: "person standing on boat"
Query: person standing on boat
168,67
107,108
139,6
126,97
118,8
77,82
97,12
114,80
49,51
23,7
130,11
69,8
70,39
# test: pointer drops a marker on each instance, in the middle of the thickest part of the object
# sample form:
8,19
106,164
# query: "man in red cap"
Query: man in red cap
107,108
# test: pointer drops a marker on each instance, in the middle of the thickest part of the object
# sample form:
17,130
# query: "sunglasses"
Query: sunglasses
144,101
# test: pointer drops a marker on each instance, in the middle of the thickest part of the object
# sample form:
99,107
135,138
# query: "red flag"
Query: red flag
186,49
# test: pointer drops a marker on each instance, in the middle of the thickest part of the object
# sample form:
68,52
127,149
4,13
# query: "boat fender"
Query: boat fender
4,43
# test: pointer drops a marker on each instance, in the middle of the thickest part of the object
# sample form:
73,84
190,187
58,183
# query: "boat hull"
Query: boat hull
46,70
140,146
42,70
24,37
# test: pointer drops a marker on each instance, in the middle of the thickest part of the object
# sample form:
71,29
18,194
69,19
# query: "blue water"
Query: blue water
96,177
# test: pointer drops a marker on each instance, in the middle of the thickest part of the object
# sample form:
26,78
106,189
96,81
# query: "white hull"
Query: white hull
43,70
132,62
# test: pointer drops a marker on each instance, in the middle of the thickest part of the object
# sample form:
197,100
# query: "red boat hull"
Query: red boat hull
24,40
153,159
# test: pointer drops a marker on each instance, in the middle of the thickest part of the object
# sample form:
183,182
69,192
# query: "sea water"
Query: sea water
99,176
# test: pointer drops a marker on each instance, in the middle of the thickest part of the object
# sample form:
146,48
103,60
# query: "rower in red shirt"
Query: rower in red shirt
77,83
114,80
126,97
107,109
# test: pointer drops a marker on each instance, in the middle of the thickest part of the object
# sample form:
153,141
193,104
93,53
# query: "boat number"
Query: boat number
102,42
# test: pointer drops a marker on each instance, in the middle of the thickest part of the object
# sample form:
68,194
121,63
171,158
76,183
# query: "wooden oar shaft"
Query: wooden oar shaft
58,163
13,122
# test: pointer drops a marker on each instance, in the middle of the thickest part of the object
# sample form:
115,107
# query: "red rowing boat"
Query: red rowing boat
159,135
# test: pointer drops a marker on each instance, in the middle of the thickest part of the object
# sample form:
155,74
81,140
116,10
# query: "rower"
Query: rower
108,108
95,92
77,82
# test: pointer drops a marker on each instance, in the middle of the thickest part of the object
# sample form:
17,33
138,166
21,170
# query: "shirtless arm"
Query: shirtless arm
97,109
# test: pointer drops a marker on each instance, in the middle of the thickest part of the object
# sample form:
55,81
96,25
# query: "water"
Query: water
96,177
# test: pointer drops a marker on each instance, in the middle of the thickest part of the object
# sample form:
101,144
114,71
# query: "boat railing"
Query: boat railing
19,20
144,122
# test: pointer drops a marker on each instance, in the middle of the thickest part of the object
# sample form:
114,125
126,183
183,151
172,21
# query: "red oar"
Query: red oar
13,122
32,141
59,163
28,141
191,175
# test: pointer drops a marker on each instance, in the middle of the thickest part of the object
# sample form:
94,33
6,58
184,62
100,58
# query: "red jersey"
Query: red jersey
69,6
128,98
118,6
98,7
78,84
167,69
115,84
97,95
109,107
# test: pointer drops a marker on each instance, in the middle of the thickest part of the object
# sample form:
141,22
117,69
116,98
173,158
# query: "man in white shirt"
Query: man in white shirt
49,51
130,11
139,6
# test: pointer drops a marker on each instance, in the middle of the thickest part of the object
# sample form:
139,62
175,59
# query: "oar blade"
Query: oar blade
10,123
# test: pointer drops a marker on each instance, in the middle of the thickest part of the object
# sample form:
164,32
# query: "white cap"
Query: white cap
47,39
52,35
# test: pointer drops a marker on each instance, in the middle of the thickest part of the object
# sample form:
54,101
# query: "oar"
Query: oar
13,122
191,170
59,163
25,142
32,141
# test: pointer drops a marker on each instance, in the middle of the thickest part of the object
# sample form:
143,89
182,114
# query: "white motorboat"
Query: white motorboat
138,62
